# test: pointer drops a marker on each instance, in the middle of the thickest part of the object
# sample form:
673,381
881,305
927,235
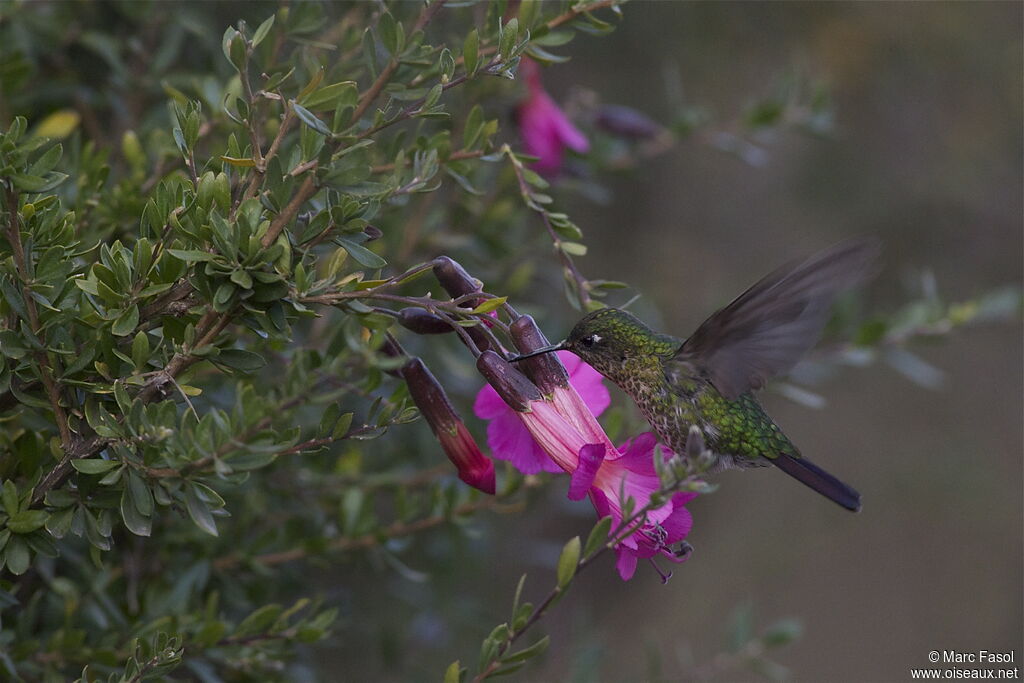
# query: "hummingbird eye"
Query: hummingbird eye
590,342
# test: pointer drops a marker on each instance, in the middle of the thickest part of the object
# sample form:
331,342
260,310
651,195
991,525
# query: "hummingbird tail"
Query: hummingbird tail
818,479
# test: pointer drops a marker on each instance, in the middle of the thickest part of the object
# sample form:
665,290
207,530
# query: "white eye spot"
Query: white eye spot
595,338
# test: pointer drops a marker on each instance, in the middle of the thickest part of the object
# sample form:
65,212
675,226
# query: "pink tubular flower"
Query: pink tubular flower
509,435
536,434
633,473
545,129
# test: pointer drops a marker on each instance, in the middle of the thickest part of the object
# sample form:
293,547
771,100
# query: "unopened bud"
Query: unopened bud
546,370
422,322
457,282
372,233
626,122
454,278
473,466
512,386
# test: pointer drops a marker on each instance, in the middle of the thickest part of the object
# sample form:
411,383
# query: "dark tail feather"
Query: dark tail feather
818,479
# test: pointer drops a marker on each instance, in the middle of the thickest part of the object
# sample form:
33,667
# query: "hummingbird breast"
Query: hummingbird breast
738,432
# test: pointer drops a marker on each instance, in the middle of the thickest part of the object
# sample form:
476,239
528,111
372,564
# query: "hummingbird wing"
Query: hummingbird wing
765,330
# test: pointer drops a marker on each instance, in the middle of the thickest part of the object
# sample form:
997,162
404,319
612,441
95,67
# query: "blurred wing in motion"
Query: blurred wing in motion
766,330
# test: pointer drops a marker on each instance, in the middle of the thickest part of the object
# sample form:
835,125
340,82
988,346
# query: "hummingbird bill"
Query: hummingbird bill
710,379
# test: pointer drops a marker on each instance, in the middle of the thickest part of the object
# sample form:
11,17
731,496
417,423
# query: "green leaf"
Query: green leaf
573,248
454,673
242,279
59,124
135,521
17,555
140,351
191,255
124,402
126,322
490,305
10,498
471,52
199,511
568,561
507,41
598,536
360,253
518,594
59,523
310,119
245,162
330,96
263,30
473,127
392,35
530,652
27,521
94,465
259,621
239,359
342,426
142,496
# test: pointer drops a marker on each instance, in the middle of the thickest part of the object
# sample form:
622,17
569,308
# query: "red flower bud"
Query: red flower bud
473,466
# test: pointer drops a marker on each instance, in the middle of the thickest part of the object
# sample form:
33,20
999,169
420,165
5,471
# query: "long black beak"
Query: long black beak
560,346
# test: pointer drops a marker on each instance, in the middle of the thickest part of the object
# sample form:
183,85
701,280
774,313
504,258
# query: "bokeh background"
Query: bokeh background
925,152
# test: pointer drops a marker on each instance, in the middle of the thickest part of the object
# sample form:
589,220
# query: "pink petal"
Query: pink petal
626,563
683,497
677,525
569,134
591,457
488,405
510,440
588,382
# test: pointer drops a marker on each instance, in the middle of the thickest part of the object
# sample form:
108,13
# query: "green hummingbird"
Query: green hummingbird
709,379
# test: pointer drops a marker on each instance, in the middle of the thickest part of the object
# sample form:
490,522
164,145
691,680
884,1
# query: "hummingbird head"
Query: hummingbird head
613,342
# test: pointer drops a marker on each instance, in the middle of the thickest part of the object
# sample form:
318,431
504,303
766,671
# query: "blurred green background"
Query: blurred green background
926,154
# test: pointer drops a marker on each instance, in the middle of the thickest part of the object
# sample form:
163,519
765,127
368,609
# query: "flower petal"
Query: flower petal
570,135
588,382
488,405
677,525
510,440
591,457
625,563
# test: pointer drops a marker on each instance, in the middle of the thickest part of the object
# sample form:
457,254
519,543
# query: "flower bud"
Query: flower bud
457,282
512,386
626,122
372,233
474,467
422,322
454,278
546,370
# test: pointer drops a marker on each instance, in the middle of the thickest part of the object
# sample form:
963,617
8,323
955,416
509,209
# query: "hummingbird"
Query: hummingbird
710,379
